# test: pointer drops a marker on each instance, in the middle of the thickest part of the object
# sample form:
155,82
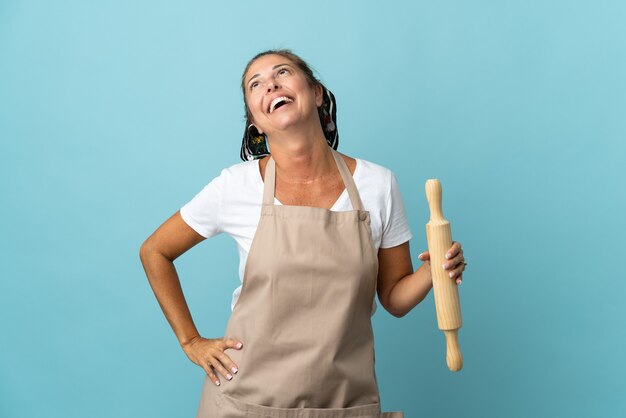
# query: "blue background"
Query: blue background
114,114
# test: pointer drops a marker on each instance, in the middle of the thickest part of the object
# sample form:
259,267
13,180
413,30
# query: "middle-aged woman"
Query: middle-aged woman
319,234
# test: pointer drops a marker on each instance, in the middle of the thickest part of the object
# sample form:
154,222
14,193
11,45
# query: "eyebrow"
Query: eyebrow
273,68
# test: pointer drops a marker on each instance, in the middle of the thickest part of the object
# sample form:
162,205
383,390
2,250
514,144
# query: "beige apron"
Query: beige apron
304,316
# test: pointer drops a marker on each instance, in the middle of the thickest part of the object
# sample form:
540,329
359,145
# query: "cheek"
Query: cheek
254,106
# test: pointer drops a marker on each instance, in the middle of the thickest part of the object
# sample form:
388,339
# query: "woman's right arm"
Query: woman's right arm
157,254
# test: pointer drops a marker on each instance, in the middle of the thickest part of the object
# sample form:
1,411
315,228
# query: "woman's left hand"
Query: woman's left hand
454,264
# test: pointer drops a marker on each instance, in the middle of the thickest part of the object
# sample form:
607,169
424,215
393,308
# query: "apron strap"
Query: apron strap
348,181
270,182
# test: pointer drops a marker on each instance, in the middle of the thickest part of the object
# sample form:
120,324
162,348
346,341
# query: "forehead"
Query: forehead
267,63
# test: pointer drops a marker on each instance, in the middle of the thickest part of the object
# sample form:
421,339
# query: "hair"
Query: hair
286,53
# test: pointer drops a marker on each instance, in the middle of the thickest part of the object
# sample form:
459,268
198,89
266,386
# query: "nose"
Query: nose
271,86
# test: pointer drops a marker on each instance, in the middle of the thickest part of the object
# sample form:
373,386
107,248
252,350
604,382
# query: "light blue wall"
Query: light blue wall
114,114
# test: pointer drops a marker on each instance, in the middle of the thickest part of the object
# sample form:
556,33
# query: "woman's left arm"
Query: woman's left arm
399,288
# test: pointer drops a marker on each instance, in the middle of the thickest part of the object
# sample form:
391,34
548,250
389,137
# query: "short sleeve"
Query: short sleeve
396,229
202,213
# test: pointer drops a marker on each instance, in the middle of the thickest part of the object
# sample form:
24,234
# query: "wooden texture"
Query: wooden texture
445,288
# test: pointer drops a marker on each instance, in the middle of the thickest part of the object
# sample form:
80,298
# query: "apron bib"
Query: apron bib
304,316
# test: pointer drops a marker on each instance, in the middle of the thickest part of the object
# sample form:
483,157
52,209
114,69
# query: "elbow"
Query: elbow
394,310
144,251
150,250
397,314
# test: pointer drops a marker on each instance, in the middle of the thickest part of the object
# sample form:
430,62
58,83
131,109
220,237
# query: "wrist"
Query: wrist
184,342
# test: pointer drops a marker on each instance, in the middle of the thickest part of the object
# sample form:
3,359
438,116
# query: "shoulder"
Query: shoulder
239,170
373,168
361,169
233,179
374,175
244,174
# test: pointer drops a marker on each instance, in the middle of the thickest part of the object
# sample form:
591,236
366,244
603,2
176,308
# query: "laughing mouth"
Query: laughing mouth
278,102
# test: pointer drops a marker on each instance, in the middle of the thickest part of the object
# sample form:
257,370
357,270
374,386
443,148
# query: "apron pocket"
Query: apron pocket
231,407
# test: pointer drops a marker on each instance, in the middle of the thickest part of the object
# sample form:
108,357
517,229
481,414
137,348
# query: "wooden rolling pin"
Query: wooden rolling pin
446,290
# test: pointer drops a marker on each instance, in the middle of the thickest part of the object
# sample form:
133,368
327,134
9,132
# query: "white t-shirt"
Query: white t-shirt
231,203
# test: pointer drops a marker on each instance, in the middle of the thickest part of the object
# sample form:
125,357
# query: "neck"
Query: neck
301,159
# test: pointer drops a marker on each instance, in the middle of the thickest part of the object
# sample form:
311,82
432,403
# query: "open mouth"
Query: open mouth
279,102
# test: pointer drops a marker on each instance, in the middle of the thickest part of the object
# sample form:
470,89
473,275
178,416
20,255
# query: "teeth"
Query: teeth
278,100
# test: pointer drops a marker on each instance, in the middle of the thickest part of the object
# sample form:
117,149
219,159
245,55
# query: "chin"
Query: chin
285,123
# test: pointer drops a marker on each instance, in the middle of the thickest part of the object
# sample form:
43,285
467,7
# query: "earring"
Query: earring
255,137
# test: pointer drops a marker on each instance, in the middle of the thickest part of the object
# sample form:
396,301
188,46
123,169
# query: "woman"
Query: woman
299,341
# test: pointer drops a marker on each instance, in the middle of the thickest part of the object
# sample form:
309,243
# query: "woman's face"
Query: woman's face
279,96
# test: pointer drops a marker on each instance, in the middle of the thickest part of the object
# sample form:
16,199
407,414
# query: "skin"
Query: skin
306,175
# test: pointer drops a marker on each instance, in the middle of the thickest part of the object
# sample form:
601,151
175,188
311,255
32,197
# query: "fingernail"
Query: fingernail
444,266
229,376
217,383
234,369
459,281
451,274
238,345
447,256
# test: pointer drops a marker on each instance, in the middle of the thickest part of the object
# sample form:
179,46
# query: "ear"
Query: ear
319,95
253,126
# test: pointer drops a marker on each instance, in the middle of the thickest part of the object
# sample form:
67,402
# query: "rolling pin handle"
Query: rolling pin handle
454,358
433,195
